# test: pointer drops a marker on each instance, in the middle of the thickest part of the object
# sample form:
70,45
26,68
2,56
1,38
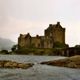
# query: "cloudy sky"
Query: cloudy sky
23,16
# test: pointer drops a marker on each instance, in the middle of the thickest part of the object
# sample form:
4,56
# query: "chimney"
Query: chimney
58,23
50,25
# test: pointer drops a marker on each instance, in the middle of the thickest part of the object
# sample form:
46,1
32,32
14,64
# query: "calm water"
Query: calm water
37,72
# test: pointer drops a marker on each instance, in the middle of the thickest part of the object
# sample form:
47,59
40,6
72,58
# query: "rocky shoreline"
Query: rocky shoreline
13,64
70,62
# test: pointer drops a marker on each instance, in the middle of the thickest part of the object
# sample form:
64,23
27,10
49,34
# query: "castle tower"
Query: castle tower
56,33
24,40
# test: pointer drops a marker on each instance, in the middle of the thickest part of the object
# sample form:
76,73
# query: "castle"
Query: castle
54,33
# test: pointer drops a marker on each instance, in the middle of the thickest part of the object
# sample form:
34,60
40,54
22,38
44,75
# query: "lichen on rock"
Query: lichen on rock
13,64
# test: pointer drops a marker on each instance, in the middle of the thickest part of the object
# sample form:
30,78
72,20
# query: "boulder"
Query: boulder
70,62
13,64
72,65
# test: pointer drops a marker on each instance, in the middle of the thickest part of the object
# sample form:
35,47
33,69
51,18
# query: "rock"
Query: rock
72,65
24,66
20,65
70,62
10,64
7,64
13,64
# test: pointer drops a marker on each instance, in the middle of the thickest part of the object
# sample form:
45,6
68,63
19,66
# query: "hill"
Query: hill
6,44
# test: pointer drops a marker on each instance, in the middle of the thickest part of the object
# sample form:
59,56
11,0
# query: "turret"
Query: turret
58,24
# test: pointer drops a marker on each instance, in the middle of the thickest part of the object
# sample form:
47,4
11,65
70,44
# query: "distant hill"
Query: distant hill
6,44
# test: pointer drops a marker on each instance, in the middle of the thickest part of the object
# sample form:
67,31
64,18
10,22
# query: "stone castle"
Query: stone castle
54,33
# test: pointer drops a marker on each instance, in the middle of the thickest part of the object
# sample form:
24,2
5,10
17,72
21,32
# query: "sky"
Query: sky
33,16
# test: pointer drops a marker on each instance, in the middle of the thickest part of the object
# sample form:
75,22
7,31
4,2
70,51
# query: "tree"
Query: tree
4,52
14,48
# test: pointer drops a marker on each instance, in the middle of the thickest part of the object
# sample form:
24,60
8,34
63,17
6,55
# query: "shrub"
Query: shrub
58,45
4,52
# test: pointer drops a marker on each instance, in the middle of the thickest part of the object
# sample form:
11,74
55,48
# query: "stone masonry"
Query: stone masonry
54,33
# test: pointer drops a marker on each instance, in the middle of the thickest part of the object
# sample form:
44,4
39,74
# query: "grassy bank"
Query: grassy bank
38,51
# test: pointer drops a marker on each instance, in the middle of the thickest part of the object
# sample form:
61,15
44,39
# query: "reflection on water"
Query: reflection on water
37,72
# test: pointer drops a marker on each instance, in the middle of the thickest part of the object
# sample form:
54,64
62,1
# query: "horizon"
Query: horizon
23,16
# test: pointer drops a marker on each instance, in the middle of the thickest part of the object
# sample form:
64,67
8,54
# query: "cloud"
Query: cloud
13,27
23,16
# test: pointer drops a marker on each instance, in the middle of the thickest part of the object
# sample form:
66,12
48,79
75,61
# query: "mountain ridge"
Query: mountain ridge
6,44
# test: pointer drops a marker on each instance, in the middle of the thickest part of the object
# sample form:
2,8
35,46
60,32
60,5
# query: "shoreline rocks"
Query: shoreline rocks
13,64
70,62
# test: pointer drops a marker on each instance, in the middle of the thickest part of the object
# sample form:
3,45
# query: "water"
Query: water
38,71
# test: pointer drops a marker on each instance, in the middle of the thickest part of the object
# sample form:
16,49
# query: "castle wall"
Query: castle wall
24,41
36,42
48,43
59,35
28,42
54,33
21,42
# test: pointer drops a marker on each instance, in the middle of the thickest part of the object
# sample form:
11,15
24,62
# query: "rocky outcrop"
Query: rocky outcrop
70,62
13,64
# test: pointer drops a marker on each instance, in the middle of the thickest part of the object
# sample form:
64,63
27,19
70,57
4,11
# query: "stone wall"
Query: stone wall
59,35
54,33
36,42
24,40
